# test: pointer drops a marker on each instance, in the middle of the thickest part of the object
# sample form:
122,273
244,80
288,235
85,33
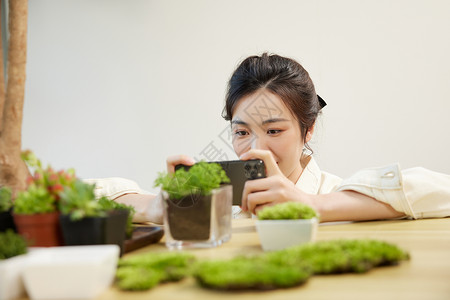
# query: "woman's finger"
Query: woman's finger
181,159
266,156
258,186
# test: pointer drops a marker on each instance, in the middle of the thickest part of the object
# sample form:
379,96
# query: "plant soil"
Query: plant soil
190,217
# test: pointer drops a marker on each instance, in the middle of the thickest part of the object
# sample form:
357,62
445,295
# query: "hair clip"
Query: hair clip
322,102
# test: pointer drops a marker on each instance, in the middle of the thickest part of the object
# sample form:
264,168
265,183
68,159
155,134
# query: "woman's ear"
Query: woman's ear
309,133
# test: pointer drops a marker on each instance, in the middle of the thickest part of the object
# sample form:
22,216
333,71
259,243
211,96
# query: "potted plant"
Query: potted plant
86,221
35,210
6,219
286,224
197,206
12,262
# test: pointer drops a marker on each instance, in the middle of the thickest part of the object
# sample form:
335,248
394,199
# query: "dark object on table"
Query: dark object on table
143,236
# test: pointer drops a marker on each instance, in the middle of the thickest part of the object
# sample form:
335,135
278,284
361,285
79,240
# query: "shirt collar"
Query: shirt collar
309,181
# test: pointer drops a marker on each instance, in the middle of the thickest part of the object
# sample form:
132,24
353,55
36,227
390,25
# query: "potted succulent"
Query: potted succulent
6,220
197,206
12,261
286,224
35,210
86,221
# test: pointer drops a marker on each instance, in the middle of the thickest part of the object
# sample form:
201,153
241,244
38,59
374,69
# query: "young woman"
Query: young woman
273,106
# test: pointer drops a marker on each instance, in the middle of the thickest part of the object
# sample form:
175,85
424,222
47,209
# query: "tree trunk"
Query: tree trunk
13,171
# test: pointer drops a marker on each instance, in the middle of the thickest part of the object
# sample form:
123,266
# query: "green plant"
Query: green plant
201,178
11,244
78,201
144,271
44,187
287,210
5,199
35,200
53,181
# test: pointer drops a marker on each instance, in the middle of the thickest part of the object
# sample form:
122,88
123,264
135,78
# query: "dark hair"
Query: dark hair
280,75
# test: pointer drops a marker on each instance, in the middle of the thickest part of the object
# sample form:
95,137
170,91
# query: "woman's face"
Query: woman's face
262,121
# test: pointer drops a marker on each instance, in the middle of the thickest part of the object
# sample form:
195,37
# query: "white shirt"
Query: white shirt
417,192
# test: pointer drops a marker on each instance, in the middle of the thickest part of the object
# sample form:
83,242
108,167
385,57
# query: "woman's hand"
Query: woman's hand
174,160
275,188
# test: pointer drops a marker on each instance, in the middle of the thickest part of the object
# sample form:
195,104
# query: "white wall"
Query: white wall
114,87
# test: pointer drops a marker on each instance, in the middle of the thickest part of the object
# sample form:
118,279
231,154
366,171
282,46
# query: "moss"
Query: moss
137,279
245,273
144,271
287,210
11,244
278,269
342,256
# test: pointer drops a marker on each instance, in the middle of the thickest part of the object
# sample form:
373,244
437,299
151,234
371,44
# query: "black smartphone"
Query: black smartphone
239,171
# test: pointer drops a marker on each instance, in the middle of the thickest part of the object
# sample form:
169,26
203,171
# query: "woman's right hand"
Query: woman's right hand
181,159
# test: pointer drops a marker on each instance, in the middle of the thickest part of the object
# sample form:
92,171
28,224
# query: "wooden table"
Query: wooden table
426,276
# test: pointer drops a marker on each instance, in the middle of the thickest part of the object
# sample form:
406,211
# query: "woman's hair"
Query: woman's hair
283,77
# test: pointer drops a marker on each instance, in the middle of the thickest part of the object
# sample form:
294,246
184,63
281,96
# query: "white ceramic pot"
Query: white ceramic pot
11,283
280,234
72,272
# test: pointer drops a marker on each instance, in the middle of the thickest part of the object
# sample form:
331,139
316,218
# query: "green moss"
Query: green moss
342,256
137,279
278,269
201,179
287,210
146,270
243,273
11,244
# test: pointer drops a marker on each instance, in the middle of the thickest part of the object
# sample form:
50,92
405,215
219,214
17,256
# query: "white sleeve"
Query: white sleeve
417,192
114,187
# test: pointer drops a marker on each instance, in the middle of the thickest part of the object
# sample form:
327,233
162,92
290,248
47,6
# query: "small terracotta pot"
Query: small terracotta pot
40,230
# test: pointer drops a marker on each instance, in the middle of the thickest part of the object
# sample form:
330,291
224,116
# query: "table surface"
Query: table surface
425,276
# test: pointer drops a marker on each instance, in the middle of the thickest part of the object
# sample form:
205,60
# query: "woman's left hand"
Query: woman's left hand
275,188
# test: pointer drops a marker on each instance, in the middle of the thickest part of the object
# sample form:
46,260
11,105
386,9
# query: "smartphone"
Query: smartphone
239,171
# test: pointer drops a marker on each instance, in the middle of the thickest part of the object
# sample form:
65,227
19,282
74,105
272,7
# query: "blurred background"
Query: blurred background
115,86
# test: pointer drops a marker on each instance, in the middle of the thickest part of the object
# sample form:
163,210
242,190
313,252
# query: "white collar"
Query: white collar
310,179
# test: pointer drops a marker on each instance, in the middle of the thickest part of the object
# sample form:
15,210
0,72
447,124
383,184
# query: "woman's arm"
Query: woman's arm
148,208
337,206
352,206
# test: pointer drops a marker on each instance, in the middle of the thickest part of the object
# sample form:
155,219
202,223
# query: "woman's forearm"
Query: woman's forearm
352,206
148,208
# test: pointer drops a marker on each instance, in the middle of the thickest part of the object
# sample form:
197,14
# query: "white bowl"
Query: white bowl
280,234
11,283
74,272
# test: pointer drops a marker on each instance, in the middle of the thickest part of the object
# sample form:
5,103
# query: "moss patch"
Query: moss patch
144,271
244,273
287,210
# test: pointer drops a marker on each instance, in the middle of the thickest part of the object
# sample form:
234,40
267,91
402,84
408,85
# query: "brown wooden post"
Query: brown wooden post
13,171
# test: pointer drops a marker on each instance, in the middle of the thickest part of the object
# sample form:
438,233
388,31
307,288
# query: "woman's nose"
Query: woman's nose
259,143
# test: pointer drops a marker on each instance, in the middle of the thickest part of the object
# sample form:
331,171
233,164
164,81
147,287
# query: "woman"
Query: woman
272,105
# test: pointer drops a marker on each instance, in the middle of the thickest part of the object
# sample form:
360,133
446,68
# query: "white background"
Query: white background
115,86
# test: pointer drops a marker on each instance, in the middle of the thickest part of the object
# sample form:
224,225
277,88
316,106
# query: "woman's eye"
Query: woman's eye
273,131
241,132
